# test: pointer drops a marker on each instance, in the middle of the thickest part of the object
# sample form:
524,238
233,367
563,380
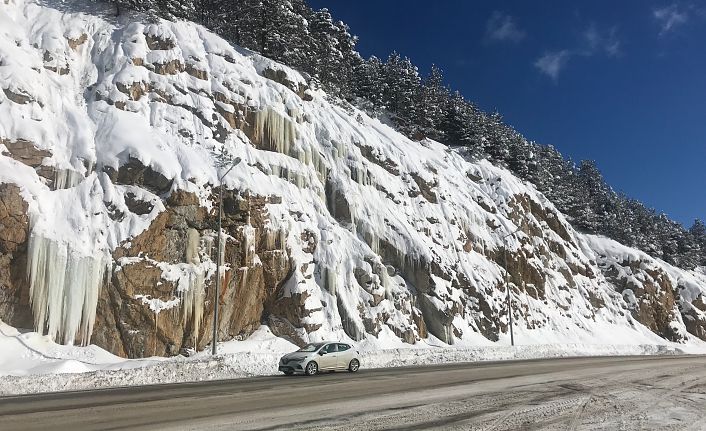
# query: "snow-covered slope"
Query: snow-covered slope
113,137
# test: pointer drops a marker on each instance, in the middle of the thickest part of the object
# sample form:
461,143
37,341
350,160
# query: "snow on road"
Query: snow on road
645,397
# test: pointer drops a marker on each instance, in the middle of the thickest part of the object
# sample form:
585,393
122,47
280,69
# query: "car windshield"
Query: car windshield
311,347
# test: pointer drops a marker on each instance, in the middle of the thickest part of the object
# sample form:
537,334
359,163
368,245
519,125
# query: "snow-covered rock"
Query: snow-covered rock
114,134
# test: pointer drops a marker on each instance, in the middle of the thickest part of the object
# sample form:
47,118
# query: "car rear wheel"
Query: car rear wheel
354,366
312,368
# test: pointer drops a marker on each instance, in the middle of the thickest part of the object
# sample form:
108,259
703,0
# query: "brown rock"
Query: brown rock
196,73
134,90
374,156
135,173
75,43
425,187
655,296
14,222
138,206
14,232
157,43
19,98
169,68
281,77
247,293
25,151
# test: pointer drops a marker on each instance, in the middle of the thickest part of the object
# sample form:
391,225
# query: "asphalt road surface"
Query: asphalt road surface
625,393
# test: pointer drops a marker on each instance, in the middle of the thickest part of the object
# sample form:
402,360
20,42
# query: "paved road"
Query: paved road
557,394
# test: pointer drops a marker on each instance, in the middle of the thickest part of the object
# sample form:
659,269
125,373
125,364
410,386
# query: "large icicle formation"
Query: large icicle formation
192,289
273,131
64,289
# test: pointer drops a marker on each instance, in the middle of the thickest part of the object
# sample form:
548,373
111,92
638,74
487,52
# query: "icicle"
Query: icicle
193,240
282,240
191,288
331,281
275,239
248,245
360,175
66,178
64,289
208,245
295,114
318,163
341,150
192,298
369,236
386,281
273,131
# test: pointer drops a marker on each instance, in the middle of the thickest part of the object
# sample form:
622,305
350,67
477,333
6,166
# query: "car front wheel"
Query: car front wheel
354,366
312,368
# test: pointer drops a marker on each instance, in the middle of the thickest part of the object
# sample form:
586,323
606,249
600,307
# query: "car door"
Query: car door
344,356
329,359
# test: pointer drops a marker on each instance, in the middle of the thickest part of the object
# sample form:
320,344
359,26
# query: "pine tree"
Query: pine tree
334,55
521,158
430,104
698,233
458,124
369,84
402,82
496,139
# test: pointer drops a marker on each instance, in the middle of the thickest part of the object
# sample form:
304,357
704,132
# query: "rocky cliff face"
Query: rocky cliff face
113,138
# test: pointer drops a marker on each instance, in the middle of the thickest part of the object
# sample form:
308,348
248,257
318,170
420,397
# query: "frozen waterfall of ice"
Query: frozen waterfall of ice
64,289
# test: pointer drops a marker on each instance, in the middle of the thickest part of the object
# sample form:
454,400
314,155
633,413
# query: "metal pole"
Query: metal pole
218,271
218,257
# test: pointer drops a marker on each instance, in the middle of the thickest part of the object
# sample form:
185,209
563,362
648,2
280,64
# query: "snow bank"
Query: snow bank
32,363
32,354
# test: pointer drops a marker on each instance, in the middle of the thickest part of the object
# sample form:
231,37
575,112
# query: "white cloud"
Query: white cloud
502,27
551,63
602,42
594,41
670,17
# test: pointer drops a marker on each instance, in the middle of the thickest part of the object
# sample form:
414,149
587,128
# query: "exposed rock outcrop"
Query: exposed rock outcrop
25,151
14,231
257,266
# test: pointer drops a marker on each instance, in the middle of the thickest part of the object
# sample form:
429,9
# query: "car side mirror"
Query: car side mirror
322,353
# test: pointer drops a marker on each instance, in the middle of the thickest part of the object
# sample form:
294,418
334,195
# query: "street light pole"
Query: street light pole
218,255
507,285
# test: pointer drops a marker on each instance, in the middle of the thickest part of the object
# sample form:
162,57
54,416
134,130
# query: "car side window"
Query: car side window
331,348
343,347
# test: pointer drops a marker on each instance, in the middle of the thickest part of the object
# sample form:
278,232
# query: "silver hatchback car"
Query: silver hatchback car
326,356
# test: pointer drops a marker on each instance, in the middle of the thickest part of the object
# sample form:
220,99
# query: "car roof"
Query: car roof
321,343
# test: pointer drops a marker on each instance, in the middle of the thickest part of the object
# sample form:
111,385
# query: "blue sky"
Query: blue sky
619,82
